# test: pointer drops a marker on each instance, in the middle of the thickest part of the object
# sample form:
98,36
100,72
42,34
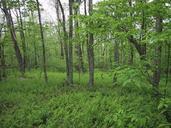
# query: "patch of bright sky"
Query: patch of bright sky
49,13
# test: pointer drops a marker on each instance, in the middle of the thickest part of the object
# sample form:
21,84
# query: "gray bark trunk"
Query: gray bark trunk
90,51
78,44
11,28
43,42
65,41
57,7
70,48
22,35
157,53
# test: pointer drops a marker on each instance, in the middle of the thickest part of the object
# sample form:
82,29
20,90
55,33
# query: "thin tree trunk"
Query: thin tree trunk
141,47
1,55
70,43
11,28
59,31
35,54
90,51
3,62
78,44
131,56
22,35
22,39
116,53
85,13
168,67
65,40
85,7
157,57
43,43
34,44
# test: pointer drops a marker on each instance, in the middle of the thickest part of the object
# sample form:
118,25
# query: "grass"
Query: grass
32,103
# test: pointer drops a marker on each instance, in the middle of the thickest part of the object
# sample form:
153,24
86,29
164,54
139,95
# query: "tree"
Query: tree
77,38
90,50
11,28
158,48
22,35
65,41
2,54
57,7
43,42
70,48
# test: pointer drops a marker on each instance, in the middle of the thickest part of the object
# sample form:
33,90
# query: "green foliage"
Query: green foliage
31,103
131,78
165,104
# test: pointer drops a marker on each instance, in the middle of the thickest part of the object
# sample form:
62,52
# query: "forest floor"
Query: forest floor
31,103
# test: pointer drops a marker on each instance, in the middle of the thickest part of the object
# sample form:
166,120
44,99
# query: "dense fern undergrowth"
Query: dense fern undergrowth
115,102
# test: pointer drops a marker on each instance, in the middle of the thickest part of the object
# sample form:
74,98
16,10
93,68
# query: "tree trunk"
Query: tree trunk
1,55
85,7
90,51
78,44
116,53
22,39
22,35
34,44
43,43
70,48
65,40
58,27
141,48
157,57
11,28
131,56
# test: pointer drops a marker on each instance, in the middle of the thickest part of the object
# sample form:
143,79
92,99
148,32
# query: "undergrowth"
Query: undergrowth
30,103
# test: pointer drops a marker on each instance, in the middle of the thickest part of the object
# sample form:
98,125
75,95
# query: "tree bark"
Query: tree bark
70,48
11,28
22,39
157,53
78,43
65,41
34,43
85,7
90,51
43,42
22,35
59,29
1,66
141,48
